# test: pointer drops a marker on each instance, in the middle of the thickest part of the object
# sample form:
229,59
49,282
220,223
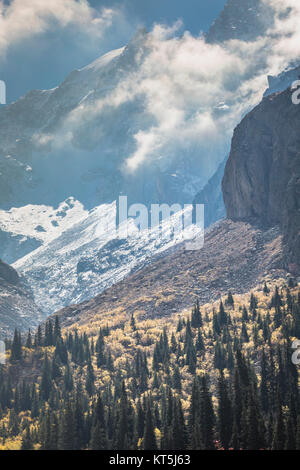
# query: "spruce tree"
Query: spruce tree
149,440
46,382
225,415
16,347
27,443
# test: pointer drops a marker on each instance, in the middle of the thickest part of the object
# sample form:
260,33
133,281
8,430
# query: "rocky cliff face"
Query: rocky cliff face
241,19
262,176
17,307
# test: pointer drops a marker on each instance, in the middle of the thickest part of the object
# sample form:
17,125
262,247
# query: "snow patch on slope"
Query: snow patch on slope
22,229
90,256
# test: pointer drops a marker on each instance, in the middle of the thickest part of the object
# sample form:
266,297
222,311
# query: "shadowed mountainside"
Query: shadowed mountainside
235,256
17,307
262,175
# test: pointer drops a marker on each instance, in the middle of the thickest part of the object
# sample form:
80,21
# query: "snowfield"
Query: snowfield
91,255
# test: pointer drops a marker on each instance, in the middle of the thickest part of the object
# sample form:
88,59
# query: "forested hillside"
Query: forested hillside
218,377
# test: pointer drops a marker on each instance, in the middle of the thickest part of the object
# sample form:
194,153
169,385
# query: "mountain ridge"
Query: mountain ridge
17,307
235,256
262,175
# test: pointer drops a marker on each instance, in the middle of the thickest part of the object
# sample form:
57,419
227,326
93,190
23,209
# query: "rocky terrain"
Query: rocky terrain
58,176
262,175
211,196
17,307
244,20
236,256
90,256
259,238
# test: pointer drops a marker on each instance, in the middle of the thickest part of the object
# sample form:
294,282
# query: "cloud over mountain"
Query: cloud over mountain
193,92
22,19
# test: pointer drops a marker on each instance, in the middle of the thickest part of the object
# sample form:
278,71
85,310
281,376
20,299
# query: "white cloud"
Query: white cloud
195,92
185,80
23,19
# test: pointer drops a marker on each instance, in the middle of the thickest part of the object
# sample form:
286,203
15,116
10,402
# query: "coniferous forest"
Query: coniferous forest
218,377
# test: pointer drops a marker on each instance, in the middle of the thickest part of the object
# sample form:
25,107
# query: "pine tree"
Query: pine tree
177,379
149,441
90,379
122,425
98,434
279,437
264,390
253,303
266,290
225,416
66,441
229,301
16,347
26,440
206,415
28,343
57,330
200,347
290,440
298,434
46,382
222,315
254,430
244,334
245,316
196,319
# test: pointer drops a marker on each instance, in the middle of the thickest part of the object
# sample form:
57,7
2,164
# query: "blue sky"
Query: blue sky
196,14
43,59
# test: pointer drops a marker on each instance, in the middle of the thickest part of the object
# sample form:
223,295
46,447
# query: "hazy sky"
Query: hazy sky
60,39
196,14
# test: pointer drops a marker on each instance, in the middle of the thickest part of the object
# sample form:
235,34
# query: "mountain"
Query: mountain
125,382
49,181
44,131
47,156
17,306
24,229
262,176
61,169
181,349
211,196
259,238
236,256
282,81
241,19
90,256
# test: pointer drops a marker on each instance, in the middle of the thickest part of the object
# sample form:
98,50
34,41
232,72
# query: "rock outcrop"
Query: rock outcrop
262,176
17,307
241,19
212,198
236,256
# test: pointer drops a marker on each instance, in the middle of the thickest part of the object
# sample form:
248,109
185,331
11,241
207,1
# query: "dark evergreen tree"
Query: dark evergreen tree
16,347
225,414
149,440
